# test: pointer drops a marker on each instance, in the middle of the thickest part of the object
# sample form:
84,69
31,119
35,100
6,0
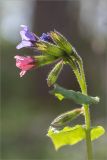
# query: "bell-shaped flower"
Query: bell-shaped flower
28,38
24,63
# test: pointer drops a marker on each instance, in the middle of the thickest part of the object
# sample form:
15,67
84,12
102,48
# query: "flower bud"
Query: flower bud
53,75
46,37
61,41
66,117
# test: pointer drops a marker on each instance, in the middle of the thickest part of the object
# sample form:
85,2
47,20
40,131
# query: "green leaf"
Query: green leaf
66,117
96,132
53,75
77,97
66,136
72,135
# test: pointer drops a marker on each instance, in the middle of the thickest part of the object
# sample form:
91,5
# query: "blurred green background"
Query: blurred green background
27,108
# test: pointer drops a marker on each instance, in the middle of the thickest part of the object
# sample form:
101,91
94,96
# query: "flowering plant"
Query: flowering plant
54,47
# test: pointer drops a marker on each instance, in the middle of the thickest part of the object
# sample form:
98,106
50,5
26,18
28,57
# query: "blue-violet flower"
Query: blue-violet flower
46,37
28,38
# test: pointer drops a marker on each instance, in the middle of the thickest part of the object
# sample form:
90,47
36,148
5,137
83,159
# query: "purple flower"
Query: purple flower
46,37
28,38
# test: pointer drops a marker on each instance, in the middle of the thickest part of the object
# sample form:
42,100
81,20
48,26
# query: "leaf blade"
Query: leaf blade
96,132
66,136
77,97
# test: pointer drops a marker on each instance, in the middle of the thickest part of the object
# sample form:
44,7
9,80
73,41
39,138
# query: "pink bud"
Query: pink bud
24,63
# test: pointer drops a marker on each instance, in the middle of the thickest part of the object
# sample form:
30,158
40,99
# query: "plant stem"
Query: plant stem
88,136
87,115
82,83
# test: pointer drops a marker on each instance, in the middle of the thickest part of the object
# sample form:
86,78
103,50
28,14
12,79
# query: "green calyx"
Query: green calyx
61,41
64,44
49,48
43,60
66,117
54,73
60,48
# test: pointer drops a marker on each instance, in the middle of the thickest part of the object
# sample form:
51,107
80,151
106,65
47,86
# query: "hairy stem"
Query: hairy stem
79,72
87,116
88,136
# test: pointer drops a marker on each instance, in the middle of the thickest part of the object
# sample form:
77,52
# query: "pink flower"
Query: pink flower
24,63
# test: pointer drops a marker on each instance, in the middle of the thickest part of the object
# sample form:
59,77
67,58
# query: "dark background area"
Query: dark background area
27,108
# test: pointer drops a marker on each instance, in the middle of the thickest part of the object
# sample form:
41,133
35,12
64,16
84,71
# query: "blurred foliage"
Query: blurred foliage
28,108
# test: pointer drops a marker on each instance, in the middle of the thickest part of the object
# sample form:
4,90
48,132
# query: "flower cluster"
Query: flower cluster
52,45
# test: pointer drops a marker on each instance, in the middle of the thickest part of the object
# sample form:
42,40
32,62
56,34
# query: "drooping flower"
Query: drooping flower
28,38
24,63
52,45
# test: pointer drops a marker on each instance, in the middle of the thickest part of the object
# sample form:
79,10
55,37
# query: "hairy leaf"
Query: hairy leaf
77,97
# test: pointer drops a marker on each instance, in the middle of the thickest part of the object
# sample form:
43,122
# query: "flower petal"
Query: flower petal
22,73
24,44
26,34
24,27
